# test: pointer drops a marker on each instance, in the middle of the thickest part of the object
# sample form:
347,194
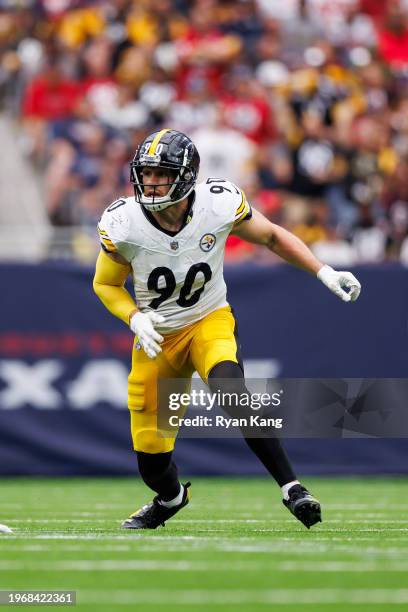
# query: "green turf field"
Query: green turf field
235,547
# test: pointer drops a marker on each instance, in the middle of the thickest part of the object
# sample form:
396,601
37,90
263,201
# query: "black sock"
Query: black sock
272,454
160,474
268,450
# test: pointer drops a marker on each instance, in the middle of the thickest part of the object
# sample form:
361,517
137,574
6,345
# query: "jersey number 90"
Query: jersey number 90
185,299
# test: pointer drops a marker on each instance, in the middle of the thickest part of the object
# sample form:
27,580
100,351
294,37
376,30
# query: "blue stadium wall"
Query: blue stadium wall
64,362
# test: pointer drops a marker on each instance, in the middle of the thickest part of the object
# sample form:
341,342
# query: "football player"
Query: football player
171,238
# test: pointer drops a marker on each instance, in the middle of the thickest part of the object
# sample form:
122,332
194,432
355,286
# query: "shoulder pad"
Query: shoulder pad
228,199
114,225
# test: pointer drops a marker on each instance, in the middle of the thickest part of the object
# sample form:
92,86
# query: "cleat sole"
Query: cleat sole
308,513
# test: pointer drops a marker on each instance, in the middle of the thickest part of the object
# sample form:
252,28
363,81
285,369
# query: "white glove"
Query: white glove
142,325
338,281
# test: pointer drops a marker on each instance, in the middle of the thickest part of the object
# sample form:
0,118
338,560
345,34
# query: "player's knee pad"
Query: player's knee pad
150,441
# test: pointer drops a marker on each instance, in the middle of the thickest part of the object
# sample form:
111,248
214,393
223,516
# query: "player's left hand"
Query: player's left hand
338,282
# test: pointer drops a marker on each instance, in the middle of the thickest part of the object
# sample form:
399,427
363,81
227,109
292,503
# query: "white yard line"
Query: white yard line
171,565
343,566
304,549
15,520
346,507
396,534
244,597
62,547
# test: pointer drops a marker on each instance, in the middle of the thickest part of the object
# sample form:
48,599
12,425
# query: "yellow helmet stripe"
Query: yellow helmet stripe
156,140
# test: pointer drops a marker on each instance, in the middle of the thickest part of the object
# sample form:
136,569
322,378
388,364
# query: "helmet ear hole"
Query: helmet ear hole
172,174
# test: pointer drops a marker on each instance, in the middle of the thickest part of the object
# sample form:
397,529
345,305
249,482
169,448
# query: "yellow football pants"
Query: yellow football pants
198,347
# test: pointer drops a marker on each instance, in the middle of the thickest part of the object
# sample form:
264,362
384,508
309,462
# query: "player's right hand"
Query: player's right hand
142,325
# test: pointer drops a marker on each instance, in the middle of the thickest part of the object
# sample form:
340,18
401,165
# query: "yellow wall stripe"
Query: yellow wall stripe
156,140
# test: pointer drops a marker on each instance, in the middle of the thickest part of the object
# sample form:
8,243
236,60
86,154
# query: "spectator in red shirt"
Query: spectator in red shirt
246,107
393,36
50,96
374,8
205,50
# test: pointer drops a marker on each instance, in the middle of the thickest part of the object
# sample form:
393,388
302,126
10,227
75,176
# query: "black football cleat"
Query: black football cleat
303,506
154,514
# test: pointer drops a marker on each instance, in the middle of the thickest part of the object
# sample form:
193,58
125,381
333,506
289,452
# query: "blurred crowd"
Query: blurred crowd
302,103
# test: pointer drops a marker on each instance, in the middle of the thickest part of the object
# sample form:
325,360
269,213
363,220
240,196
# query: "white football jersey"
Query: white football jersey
180,277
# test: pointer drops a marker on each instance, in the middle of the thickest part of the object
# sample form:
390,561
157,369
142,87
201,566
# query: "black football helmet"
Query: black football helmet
174,151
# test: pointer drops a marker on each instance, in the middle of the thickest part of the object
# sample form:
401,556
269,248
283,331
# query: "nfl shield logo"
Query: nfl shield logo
174,245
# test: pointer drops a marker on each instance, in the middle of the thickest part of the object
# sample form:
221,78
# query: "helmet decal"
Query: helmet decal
156,140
